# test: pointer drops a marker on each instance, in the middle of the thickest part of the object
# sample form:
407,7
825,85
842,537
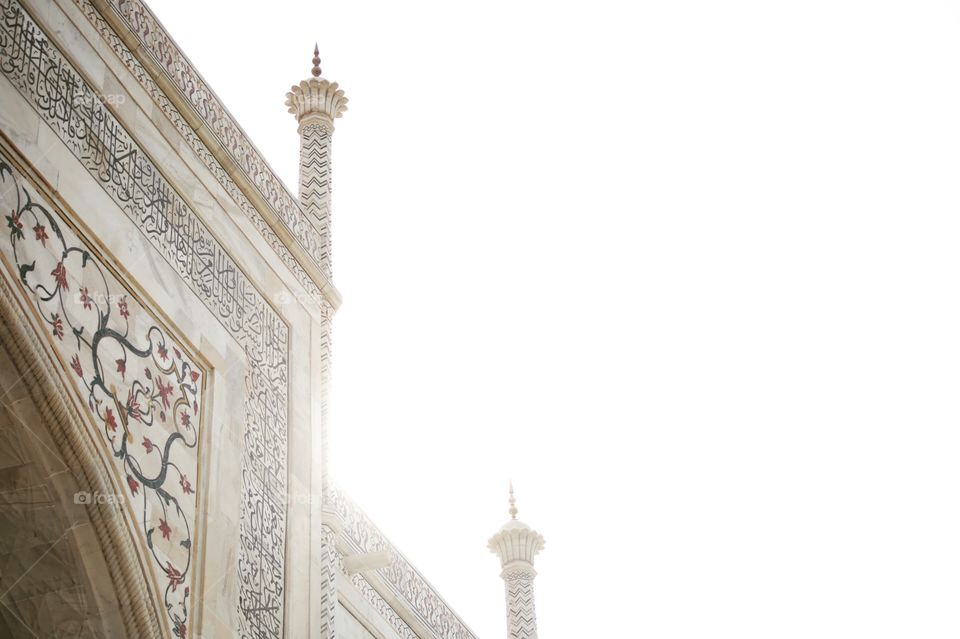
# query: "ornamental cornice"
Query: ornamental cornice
182,95
400,582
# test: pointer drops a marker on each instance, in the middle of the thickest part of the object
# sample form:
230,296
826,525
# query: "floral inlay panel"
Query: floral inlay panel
142,389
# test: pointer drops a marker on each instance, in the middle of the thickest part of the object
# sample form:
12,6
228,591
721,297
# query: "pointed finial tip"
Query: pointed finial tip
513,503
316,61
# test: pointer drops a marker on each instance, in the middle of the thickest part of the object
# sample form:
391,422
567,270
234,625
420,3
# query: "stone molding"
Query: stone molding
383,608
149,52
203,153
418,604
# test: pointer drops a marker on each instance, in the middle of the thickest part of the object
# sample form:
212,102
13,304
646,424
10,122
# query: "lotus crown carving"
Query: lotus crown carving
316,96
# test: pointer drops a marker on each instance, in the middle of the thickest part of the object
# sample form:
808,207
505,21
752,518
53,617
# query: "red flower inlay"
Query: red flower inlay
165,390
194,376
133,484
174,575
41,233
16,226
57,326
185,484
133,406
185,419
75,365
162,351
181,629
122,368
85,297
149,445
122,304
60,275
110,420
165,529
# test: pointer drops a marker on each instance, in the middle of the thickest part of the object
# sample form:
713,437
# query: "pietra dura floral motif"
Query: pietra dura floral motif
142,389
72,109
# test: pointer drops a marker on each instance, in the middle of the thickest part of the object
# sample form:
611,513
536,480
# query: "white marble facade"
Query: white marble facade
166,308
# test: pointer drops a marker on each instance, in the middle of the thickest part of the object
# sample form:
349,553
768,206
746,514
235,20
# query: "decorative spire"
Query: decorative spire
516,545
316,99
316,61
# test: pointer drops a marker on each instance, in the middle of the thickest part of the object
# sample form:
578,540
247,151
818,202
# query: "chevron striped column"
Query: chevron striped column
516,544
521,611
315,139
316,103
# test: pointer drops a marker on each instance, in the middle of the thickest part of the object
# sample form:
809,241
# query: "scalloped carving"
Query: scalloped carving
316,97
516,544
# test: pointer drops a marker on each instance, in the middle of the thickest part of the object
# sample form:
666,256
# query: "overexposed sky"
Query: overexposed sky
688,272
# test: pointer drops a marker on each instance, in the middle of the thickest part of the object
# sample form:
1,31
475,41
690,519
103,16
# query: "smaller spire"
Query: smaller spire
316,61
513,503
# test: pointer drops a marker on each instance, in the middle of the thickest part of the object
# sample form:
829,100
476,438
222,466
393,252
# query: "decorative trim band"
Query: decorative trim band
203,153
211,116
403,580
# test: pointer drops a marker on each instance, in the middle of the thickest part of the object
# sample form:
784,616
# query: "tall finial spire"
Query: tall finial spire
516,544
316,61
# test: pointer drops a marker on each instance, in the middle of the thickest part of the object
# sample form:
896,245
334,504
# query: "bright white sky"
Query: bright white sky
688,272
